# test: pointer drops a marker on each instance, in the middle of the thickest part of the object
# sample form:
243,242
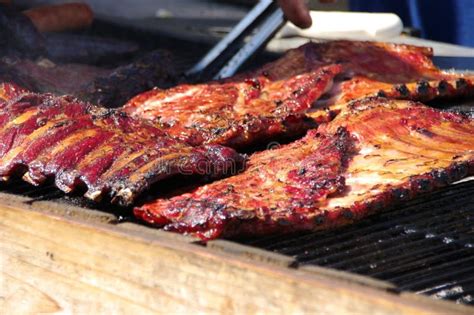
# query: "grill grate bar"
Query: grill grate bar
385,260
384,238
448,275
405,279
395,267
425,247
379,257
365,228
453,290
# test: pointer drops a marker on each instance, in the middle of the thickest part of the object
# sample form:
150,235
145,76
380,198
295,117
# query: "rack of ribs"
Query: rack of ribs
235,113
100,86
372,69
377,153
296,92
79,144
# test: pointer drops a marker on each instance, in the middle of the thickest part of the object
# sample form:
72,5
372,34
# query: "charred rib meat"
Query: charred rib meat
280,97
108,152
105,87
155,69
378,61
375,69
359,87
234,113
379,152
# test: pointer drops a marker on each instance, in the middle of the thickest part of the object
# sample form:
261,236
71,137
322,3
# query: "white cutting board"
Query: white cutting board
353,25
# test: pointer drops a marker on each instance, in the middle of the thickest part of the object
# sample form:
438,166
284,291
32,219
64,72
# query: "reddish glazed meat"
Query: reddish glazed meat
278,98
44,136
384,62
9,91
379,152
359,87
234,113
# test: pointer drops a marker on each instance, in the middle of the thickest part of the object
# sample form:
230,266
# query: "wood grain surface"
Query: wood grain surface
50,263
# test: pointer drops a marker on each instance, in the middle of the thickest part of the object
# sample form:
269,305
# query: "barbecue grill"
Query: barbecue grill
425,246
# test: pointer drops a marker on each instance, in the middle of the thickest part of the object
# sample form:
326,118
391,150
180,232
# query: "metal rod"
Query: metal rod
261,38
239,30
244,40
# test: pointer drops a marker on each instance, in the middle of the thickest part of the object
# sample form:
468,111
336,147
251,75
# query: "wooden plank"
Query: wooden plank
252,253
156,233
349,277
90,268
57,208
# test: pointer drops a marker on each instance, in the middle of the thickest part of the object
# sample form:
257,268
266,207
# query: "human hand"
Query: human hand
297,12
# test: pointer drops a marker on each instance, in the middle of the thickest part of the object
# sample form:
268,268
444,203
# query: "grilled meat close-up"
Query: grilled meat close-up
236,114
211,156
378,153
316,79
107,151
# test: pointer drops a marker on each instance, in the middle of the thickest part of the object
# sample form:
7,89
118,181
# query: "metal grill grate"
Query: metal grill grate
426,247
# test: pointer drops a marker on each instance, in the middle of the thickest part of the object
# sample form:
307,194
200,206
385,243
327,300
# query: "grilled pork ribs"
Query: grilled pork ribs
105,87
377,153
296,92
105,150
236,114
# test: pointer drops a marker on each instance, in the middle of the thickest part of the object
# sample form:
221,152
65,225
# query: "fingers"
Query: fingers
297,12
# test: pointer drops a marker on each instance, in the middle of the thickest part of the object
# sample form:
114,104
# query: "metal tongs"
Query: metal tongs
250,35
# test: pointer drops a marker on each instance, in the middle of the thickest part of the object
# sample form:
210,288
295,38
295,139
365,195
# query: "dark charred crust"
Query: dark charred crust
378,205
440,177
284,222
155,69
443,87
255,83
382,93
425,132
400,193
402,90
320,219
423,88
348,214
420,185
461,84
458,171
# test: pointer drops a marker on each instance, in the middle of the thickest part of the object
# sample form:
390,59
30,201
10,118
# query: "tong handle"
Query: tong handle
247,37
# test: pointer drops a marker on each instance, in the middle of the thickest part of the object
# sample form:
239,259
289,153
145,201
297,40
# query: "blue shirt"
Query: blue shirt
449,21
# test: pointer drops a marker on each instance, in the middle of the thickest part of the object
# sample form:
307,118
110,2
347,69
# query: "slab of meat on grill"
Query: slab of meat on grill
358,87
235,113
105,151
379,61
101,86
372,69
253,106
376,154
44,76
